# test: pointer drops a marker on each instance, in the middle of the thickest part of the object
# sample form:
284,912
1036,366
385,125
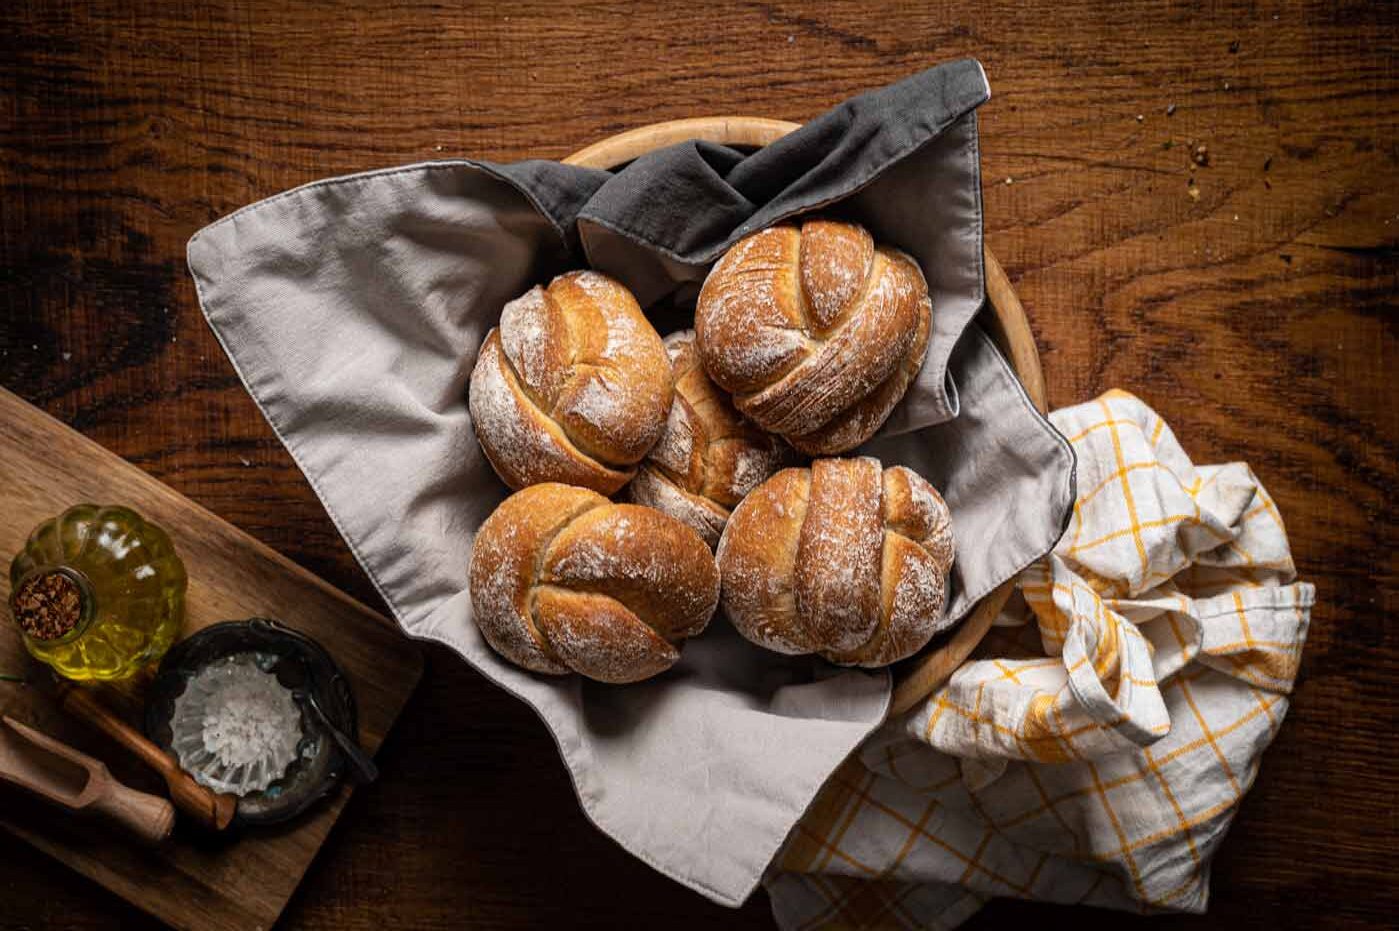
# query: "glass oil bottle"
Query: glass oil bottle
98,592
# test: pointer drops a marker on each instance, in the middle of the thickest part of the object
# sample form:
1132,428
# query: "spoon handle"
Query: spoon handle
365,770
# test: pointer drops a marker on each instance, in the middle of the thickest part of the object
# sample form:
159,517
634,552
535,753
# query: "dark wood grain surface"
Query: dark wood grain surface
1251,299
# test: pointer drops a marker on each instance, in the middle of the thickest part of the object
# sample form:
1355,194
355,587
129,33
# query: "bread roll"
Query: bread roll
816,331
563,580
709,456
573,386
844,559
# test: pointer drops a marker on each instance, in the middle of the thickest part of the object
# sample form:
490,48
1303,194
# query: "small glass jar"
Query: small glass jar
98,592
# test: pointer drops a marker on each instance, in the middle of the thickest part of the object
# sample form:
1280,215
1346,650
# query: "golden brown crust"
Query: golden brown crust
750,325
844,559
861,420
503,565
837,259
757,558
709,456
573,386
653,488
562,579
837,571
596,636
815,331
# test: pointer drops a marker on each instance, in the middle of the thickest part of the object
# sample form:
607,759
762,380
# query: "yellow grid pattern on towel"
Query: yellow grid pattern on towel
1096,746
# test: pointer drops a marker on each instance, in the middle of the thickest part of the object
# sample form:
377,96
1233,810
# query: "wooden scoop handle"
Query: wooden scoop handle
150,817
212,810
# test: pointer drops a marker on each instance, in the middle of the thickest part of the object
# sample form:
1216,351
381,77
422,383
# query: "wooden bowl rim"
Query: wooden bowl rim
917,677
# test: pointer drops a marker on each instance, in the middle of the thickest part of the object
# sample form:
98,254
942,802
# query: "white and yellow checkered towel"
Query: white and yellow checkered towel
1096,747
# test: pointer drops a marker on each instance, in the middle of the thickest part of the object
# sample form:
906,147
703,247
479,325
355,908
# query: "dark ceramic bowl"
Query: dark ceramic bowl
303,667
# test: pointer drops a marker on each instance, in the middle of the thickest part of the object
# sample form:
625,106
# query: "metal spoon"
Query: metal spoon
365,770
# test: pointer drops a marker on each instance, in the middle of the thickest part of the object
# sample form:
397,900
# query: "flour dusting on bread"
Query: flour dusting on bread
562,579
709,454
844,559
576,389
524,446
814,330
654,489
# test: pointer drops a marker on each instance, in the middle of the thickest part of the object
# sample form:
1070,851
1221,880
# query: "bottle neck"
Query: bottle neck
53,605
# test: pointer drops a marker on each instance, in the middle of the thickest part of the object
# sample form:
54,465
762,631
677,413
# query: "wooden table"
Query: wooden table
1250,299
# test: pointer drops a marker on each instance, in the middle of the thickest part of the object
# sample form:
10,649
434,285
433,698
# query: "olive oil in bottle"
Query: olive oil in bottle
98,592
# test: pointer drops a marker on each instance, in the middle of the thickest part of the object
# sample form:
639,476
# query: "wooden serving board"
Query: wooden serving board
233,882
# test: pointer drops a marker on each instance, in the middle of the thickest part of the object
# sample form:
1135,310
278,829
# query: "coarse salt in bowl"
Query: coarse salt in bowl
235,728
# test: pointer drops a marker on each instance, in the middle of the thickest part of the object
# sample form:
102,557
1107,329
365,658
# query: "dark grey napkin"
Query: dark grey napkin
352,309
659,223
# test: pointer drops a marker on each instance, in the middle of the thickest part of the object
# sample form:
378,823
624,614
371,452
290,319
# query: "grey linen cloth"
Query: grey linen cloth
352,309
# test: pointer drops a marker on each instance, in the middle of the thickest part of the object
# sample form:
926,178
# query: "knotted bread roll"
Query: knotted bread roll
709,456
573,386
816,331
564,580
844,559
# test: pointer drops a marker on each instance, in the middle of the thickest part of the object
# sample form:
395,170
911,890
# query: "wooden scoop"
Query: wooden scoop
210,809
55,771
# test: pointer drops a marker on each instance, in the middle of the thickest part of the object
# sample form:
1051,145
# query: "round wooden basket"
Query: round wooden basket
917,677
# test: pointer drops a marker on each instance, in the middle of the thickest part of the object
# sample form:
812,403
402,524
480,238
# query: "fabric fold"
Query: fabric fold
1097,746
